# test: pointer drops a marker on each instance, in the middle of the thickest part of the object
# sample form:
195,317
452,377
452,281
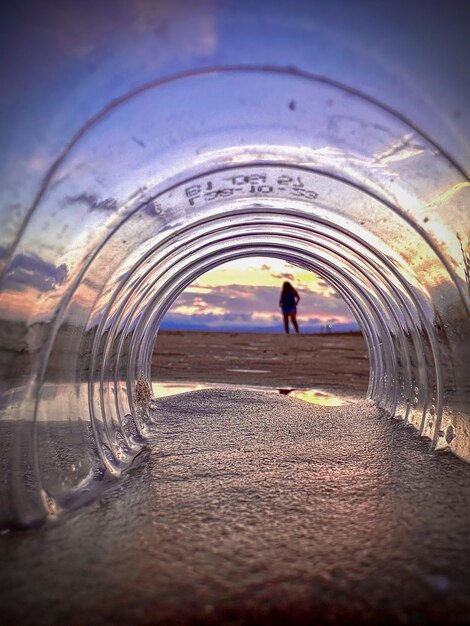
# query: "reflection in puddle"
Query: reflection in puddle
163,390
244,371
313,396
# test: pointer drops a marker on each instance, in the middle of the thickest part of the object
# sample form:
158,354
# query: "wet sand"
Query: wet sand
255,508
334,362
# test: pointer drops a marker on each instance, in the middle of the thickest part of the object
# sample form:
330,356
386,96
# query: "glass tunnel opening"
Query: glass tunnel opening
120,226
227,328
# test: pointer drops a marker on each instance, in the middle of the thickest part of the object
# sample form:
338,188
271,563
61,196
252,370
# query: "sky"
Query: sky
62,66
243,295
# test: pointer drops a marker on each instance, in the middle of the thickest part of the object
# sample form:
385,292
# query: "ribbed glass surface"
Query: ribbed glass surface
190,171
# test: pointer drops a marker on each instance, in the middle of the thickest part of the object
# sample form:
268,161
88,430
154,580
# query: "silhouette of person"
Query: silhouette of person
288,303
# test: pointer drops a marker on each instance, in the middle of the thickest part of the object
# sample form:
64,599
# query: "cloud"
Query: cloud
250,306
29,270
209,321
93,202
248,322
284,276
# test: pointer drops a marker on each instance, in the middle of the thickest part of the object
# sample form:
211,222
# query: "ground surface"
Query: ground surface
273,360
256,508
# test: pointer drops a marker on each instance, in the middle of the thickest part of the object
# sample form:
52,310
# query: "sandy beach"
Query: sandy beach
256,508
336,362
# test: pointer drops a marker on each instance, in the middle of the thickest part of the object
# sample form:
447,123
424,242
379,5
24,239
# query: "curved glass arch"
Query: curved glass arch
156,189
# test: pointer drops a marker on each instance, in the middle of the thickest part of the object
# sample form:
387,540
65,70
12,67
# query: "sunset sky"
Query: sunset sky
244,295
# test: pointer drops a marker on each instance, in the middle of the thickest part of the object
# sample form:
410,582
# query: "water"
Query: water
313,396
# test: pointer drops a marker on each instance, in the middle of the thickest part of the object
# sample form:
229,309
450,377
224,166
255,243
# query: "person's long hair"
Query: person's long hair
287,288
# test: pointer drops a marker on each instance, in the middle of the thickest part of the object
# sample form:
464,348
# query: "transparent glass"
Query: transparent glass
189,170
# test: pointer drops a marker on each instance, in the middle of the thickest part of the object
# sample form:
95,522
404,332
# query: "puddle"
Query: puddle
313,396
249,371
163,390
316,396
